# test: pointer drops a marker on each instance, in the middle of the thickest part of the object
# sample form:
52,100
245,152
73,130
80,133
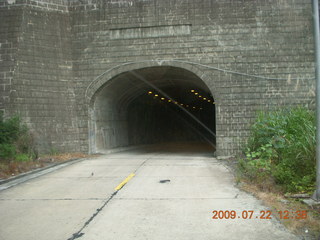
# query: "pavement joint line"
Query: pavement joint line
164,199
168,176
21,178
113,165
176,165
79,233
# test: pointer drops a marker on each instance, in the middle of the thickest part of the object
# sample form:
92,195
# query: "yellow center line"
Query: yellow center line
124,182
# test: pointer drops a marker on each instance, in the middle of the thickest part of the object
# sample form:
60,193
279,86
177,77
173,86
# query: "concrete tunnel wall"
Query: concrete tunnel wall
110,123
125,113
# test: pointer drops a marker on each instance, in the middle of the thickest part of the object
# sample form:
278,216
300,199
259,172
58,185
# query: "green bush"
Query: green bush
282,145
7,151
22,157
15,141
10,130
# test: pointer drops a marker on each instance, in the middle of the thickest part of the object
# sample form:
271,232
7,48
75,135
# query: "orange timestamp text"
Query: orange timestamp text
264,214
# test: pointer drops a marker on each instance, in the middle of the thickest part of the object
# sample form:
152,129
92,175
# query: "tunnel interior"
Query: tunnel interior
152,105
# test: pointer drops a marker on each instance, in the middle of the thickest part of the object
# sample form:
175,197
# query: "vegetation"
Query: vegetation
17,153
15,141
281,150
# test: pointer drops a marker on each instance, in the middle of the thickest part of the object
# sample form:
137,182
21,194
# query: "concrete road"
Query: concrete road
79,201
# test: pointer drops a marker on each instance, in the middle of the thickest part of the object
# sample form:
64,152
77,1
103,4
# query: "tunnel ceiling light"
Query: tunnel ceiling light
205,98
182,104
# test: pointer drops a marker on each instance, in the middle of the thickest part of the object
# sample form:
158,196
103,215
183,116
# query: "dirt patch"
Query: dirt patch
308,228
13,168
277,201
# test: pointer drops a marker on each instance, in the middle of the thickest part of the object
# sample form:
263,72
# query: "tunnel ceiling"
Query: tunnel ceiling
150,106
126,87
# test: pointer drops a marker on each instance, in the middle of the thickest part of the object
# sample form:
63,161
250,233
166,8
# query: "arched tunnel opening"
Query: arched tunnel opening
154,105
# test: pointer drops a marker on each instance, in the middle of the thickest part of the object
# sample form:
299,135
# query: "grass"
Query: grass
281,150
16,167
308,228
17,151
16,143
279,160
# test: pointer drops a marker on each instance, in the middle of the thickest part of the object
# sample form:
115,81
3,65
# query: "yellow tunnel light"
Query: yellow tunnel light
204,98
192,90
149,92
175,102
194,107
162,98
200,96
209,100
181,104
169,100
156,95
196,93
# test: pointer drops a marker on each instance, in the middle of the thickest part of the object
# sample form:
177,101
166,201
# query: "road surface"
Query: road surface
172,196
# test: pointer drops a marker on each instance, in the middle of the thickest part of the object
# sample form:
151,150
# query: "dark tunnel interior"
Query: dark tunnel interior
168,120
151,106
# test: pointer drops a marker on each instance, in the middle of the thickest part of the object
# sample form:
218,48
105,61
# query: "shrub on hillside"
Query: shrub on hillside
15,140
282,147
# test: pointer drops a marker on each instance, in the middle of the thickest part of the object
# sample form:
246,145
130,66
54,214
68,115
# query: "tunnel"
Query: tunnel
150,106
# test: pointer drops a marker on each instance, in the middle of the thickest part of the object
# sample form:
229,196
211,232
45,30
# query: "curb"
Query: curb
13,181
23,177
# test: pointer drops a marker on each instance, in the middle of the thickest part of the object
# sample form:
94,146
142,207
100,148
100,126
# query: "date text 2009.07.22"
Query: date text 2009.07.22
264,214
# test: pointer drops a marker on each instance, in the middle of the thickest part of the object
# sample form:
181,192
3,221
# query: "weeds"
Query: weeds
281,150
17,152
16,144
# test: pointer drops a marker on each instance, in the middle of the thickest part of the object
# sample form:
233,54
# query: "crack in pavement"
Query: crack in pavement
79,233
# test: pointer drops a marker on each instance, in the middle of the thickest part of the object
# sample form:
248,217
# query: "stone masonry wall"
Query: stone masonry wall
9,30
44,80
233,40
51,5
38,77
252,55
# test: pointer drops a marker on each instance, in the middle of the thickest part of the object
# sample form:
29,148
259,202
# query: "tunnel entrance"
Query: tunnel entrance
153,105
